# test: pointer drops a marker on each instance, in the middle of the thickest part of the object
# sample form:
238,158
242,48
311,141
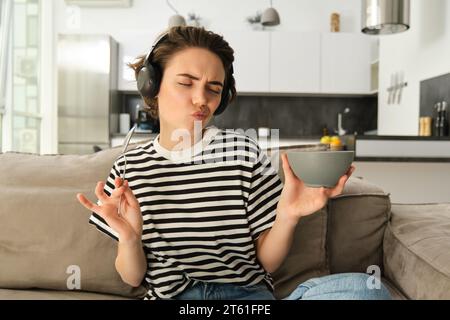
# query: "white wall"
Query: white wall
147,18
305,15
422,52
48,96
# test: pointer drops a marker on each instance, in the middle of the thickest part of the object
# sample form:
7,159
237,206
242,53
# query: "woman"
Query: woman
203,215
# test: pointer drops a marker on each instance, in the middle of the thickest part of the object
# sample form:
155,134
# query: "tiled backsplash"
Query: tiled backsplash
432,91
300,116
294,116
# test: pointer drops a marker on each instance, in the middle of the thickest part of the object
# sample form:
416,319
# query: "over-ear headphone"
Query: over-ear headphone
150,75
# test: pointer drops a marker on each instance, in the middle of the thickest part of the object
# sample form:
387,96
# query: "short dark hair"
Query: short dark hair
182,37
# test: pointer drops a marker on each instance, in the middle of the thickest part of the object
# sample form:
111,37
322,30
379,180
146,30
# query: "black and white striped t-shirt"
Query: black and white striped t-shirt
202,208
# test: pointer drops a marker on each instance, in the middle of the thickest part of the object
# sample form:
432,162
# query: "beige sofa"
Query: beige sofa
48,250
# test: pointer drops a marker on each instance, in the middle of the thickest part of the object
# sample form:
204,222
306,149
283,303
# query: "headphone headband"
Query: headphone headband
158,40
149,77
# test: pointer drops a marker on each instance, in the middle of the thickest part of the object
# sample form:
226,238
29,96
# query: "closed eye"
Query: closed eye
214,91
189,84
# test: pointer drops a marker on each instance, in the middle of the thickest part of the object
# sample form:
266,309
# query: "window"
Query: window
5,26
25,93
21,80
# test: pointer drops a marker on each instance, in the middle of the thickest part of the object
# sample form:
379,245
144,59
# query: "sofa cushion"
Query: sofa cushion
45,238
306,258
417,250
356,223
37,294
395,292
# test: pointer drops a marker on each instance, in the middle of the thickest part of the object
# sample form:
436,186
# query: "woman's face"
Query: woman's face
191,89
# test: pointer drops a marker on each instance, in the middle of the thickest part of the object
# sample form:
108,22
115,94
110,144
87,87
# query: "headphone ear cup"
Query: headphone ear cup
148,81
143,81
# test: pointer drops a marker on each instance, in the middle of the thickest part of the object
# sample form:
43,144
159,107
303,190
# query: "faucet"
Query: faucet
340,131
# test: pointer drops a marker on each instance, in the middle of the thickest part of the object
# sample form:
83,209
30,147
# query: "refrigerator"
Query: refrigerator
88,101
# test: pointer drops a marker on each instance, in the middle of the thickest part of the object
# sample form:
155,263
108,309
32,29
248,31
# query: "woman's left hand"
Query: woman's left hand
297,200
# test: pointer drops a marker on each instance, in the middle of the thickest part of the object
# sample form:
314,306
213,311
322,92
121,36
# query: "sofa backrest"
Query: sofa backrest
45,239
45,235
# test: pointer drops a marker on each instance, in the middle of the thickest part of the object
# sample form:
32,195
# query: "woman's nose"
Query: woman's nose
199,97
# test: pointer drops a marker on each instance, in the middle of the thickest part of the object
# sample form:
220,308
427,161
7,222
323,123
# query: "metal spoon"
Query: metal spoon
124,150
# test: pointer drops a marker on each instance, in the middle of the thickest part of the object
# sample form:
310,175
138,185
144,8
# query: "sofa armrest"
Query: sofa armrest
417,250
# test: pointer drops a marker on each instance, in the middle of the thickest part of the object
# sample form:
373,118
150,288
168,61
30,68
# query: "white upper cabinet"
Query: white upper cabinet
251,54
346,63
279,62
294,62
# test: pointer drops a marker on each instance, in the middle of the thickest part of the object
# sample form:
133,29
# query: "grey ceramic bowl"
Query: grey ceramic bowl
320,168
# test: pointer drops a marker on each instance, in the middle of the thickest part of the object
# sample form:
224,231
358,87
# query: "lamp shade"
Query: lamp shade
385,16
270,17
176,20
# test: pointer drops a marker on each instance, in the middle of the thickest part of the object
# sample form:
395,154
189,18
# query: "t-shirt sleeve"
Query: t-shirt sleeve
264,194
97,220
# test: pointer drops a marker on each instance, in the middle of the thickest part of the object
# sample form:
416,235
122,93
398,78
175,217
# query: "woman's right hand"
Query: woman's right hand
129,223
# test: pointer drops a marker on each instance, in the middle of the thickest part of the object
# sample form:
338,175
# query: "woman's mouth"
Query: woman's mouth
200,116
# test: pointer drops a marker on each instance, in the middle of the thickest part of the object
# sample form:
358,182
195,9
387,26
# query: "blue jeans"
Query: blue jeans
342,286
345,286
225,291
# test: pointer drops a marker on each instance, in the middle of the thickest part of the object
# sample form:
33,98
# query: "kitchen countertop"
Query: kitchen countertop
368,148
137,133
264,143
402,148
271,143
376,137
284,139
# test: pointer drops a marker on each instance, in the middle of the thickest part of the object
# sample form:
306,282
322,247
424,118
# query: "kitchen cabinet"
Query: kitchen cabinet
251,66
346,63
294,62
302,62
280,62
